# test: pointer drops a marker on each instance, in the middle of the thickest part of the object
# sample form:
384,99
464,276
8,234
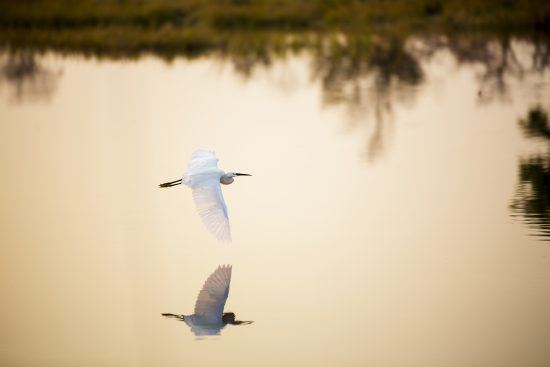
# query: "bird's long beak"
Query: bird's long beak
239,322
242,174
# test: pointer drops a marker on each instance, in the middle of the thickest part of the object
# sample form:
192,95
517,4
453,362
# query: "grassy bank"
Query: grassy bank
126,28
223,14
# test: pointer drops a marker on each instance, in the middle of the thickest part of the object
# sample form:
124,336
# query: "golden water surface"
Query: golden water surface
376,232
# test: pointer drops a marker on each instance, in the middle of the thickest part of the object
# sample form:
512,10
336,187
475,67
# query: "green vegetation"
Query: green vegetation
221,14
194,27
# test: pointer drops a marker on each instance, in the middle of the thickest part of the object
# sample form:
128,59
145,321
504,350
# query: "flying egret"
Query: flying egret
209,317
204,177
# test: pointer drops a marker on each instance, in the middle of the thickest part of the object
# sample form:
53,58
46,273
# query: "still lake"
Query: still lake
398,213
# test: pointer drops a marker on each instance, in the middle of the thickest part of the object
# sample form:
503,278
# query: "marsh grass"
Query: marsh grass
274,13
195,27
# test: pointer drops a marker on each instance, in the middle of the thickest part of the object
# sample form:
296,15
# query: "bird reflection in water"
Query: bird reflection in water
209,318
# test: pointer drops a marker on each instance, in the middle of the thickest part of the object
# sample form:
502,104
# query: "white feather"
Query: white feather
203,177
212,297
202,166
201,330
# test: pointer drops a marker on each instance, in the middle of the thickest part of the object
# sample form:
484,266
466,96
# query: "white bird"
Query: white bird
209,317
204,177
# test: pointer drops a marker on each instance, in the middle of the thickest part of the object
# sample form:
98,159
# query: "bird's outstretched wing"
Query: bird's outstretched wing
203,177
212,209
212,297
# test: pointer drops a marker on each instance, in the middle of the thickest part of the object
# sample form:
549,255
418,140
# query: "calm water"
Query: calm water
398,214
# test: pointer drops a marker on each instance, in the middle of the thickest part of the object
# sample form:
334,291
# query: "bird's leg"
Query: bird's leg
172,183
180,317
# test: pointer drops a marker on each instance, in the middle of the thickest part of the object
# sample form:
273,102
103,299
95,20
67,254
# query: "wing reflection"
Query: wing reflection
209,318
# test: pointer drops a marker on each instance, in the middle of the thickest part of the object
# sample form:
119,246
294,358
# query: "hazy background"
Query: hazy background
398,213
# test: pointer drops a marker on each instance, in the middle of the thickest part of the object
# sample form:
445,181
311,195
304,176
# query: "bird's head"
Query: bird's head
228,179
229,318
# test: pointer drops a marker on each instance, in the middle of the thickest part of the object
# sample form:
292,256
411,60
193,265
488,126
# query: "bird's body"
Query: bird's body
204,178
209,318
197,327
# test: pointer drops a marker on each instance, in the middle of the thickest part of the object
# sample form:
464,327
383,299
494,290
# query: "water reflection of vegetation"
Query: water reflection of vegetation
370,74
501,63
532,199
500,59
27,77
536,124
366,73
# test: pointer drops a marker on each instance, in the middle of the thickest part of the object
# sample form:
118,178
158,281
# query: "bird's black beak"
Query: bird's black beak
242,174
238,322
